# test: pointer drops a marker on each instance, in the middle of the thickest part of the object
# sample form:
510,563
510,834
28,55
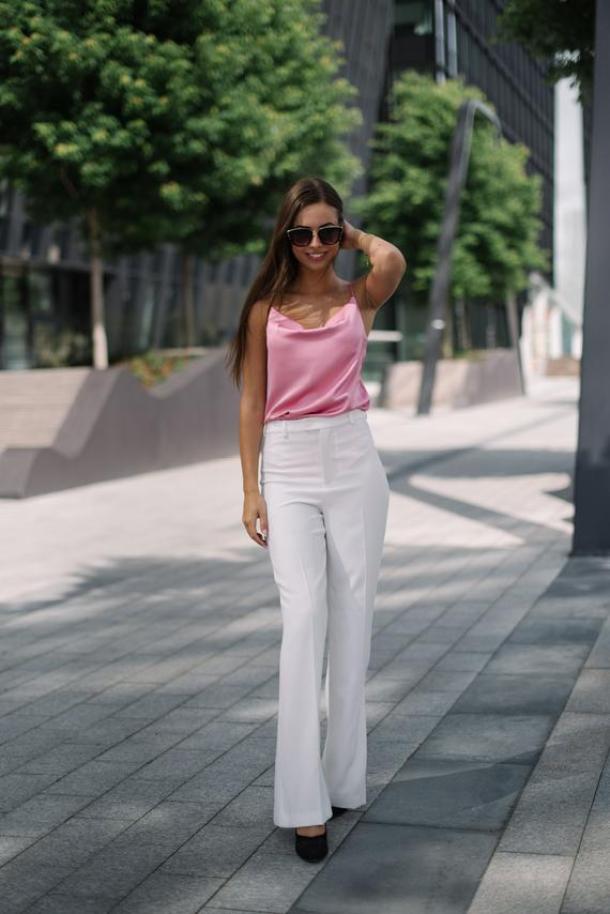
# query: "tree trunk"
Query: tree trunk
447,344
461,322
513,332
100,343
188,299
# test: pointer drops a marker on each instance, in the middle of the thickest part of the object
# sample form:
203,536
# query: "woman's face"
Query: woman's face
316,256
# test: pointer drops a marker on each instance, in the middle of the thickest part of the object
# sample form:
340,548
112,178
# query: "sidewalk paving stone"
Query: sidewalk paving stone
399,868
139,676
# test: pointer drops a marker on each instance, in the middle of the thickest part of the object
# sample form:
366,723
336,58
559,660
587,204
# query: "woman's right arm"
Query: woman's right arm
251,414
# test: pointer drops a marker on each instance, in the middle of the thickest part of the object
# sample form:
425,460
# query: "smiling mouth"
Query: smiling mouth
317,256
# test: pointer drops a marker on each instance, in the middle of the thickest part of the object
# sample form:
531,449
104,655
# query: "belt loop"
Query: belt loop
284,428
352,417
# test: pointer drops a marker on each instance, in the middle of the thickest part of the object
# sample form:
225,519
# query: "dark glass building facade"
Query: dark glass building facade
449,38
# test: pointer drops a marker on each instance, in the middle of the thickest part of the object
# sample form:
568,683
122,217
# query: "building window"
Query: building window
414,16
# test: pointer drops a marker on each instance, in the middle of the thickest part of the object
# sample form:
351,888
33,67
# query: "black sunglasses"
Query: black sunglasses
302,236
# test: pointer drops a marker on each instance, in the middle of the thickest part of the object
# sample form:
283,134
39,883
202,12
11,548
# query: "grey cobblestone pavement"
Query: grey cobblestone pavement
138,691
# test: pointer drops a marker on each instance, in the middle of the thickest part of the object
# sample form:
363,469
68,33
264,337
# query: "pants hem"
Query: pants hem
302,820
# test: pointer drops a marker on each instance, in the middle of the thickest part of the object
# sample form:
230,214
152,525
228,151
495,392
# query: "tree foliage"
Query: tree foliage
499,222
560,32
173,119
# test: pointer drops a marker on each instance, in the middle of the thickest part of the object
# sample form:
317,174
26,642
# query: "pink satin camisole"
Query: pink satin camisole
317,370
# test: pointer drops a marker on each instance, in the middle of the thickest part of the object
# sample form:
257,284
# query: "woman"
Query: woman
323,498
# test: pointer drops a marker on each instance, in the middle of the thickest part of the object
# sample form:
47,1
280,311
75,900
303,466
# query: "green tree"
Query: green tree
559,32
499,224
277,109
169,121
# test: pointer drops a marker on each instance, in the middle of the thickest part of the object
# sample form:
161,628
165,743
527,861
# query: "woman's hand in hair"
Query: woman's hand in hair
255,506
350,236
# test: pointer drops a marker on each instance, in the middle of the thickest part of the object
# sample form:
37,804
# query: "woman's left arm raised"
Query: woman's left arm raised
388,263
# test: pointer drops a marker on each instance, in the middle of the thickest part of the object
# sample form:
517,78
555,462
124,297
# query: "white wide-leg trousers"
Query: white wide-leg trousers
327,499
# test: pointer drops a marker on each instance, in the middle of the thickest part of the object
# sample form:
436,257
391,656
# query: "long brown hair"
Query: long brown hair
279,267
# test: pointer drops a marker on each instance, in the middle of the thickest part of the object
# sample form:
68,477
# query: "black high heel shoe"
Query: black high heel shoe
311,847
338,811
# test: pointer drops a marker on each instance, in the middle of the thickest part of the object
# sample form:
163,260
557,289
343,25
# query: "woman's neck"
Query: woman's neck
327,284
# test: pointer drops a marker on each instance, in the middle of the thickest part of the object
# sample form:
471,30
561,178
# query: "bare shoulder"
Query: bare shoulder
259,311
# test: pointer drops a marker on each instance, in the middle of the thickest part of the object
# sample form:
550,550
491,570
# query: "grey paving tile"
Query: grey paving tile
224,910
579,742
554,606
122,694
18,722
544,630
79,717
114,871
250,710
213,786
473,642
591,693
92,779
252,807
15,788
588,886
449,794
446,680
166,893
178,763
463,661
268,689
407,669
130,799
217,850
412,728
251,674
40,814
522,882
109,731
524,659
171,821
71,843
22,883
65,904
138,750
57,702
536,693
378,688
398,868
183,720
10,847
218,734
422,701
516,738
218,695
266,882
384,758
63,759
551,813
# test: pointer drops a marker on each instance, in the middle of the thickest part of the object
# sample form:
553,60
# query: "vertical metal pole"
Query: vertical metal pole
592,470
452,61
439,41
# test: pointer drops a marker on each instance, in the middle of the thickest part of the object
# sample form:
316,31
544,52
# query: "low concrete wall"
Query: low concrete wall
117,427
458,382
